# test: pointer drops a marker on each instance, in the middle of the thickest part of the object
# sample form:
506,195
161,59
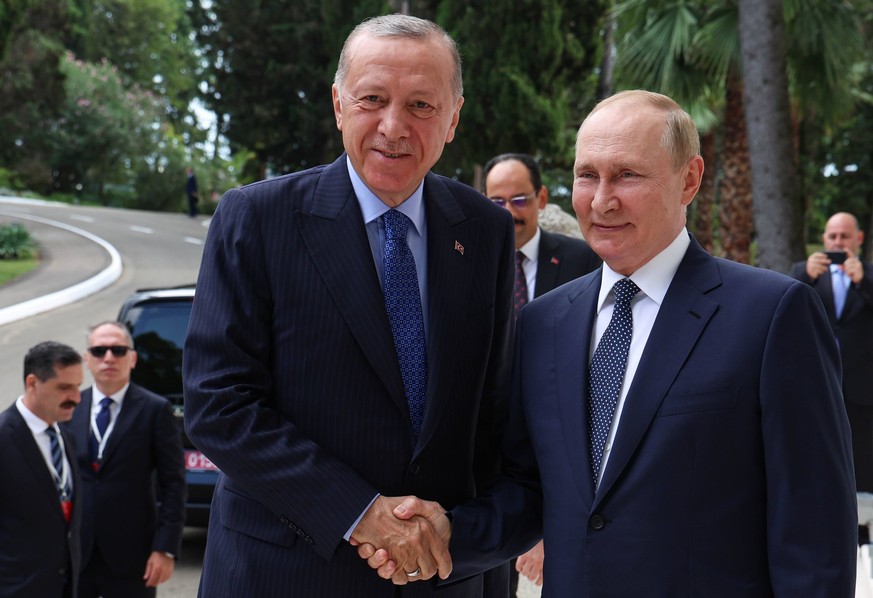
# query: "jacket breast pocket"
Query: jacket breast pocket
698,402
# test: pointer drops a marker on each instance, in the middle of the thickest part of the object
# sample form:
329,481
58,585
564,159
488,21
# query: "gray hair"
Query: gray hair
680,139
400,26
121,328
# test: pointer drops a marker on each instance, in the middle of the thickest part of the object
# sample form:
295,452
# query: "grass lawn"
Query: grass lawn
10,269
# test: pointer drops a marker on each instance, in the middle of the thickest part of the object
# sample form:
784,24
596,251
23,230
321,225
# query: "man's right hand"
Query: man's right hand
400,535
817,264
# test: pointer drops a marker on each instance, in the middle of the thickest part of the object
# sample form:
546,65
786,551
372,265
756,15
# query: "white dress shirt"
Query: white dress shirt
531,253
653,280
38,428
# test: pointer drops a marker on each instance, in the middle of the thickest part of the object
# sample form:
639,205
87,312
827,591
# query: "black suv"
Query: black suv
158,320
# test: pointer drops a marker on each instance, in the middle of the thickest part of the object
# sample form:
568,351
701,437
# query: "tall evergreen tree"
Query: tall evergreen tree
271,68
528,77
690,49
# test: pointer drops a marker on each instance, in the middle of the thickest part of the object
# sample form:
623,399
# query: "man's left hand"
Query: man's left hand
159,568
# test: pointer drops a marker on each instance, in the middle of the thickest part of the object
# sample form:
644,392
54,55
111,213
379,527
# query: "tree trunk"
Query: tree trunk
735,189
778,209
607,62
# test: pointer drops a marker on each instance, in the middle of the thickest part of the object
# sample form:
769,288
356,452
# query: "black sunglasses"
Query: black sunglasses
117,351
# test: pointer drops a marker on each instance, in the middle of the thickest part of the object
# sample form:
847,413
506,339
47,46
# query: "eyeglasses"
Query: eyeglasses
117,351
518,202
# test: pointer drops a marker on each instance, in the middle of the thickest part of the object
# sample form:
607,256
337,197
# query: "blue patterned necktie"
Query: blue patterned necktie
57,456
403,303
102,421
606,373
519,298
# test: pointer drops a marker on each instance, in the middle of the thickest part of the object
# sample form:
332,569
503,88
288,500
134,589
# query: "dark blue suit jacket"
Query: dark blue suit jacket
561,259
36,543
292,385
143,453
731,471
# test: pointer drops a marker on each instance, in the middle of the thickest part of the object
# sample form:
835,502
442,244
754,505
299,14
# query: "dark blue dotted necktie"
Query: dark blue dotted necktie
606,373
403,303
102,421
57,456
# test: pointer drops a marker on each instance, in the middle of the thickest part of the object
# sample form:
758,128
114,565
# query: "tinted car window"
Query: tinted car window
158,330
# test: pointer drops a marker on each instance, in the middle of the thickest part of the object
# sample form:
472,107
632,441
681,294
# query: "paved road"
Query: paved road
156,249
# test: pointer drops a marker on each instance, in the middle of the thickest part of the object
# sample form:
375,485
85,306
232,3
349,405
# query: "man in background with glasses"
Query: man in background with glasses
126,437
546,259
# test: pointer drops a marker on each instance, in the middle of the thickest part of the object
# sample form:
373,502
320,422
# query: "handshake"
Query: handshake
405,539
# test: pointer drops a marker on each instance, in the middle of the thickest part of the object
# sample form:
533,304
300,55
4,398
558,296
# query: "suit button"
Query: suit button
284,520
597,522
414,469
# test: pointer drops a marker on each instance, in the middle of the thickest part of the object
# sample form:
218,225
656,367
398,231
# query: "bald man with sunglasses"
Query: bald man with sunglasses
129,445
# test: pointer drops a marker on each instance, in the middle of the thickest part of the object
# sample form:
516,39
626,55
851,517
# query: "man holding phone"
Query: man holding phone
845,285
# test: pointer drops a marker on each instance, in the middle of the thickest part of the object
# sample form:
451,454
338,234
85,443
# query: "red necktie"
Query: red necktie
519,298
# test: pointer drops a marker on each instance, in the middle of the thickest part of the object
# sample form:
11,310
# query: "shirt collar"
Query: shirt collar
372,207
531,249
654,277
97,395
36,424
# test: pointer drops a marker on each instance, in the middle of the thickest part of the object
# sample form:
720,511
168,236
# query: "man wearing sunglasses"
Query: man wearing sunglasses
126,437
547,260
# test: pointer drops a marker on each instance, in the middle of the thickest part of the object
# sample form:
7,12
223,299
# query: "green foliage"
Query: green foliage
270,75
148,41
12,269
525,86
103,130
9,180
15,242
31,86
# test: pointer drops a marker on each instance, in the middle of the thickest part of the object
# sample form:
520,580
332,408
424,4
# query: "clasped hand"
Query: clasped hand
405,539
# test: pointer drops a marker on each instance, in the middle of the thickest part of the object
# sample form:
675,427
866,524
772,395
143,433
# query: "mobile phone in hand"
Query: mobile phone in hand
836,257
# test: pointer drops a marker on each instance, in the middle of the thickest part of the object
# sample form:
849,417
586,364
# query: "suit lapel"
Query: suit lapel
32,458
681,320
332,227
825,288
451,263
81,424
572,333
548,264
129,413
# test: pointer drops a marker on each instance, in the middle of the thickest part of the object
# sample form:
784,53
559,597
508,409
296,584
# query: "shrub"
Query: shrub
16,242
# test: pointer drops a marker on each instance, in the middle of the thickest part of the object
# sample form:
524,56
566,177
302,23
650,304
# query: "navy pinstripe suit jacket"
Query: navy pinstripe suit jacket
293,389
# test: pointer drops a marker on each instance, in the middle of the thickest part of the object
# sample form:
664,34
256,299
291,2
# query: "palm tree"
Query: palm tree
690,50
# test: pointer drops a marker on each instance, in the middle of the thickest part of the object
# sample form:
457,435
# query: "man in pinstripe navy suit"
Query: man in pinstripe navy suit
293,383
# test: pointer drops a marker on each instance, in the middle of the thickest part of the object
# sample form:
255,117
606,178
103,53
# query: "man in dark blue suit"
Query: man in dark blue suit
708,452
40,493
299,382
129,448
544,261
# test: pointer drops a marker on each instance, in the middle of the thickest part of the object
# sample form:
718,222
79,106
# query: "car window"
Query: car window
158,330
